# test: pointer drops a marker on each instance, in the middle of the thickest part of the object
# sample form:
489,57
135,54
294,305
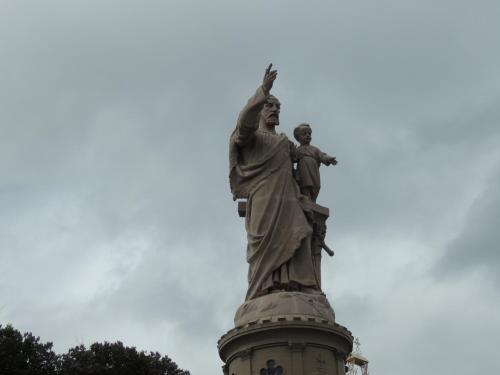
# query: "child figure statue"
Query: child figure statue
309,159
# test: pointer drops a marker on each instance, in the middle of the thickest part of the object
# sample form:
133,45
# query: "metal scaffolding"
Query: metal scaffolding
356,361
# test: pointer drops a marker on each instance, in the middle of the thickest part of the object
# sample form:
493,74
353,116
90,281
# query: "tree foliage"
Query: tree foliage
25,355
116,359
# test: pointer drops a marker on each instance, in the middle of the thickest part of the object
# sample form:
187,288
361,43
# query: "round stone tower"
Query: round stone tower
286,333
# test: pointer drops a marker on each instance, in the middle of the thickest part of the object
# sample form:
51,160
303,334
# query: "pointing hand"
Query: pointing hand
269,77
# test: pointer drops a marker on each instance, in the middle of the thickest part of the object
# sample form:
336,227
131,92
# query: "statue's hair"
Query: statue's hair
298,128
272,97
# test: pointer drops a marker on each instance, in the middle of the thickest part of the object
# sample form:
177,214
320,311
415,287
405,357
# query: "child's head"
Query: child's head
302,133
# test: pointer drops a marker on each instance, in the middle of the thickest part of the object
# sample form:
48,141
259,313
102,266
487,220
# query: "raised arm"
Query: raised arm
248,120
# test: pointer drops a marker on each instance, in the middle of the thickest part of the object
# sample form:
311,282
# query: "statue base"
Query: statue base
305,305
290,333
286,345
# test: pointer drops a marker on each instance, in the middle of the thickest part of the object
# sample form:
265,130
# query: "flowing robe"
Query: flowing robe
278,233
309,161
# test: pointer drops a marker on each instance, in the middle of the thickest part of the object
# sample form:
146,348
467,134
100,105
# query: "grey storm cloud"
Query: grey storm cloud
477,246
116,220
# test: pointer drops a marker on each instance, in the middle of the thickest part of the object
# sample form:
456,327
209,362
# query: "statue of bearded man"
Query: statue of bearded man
278,232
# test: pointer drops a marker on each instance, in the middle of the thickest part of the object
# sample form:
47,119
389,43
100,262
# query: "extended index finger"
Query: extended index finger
269,68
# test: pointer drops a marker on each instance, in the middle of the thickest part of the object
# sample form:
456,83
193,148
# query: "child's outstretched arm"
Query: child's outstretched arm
327,159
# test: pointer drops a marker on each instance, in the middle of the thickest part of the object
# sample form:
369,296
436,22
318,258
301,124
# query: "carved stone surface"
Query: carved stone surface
260,171
308,159
292,344
271,368
286,324
283,304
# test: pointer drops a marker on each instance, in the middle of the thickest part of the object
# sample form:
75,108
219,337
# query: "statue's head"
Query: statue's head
270,113
302,133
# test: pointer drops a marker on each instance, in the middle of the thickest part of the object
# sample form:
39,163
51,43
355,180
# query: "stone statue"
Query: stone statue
278,230
286,324
309,158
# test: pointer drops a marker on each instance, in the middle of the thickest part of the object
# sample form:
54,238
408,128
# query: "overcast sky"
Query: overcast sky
116,220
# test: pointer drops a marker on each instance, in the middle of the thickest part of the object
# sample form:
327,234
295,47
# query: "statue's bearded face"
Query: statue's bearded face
271,111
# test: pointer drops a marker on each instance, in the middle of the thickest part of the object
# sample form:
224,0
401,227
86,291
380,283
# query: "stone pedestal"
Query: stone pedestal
270,339
280,304
286,346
